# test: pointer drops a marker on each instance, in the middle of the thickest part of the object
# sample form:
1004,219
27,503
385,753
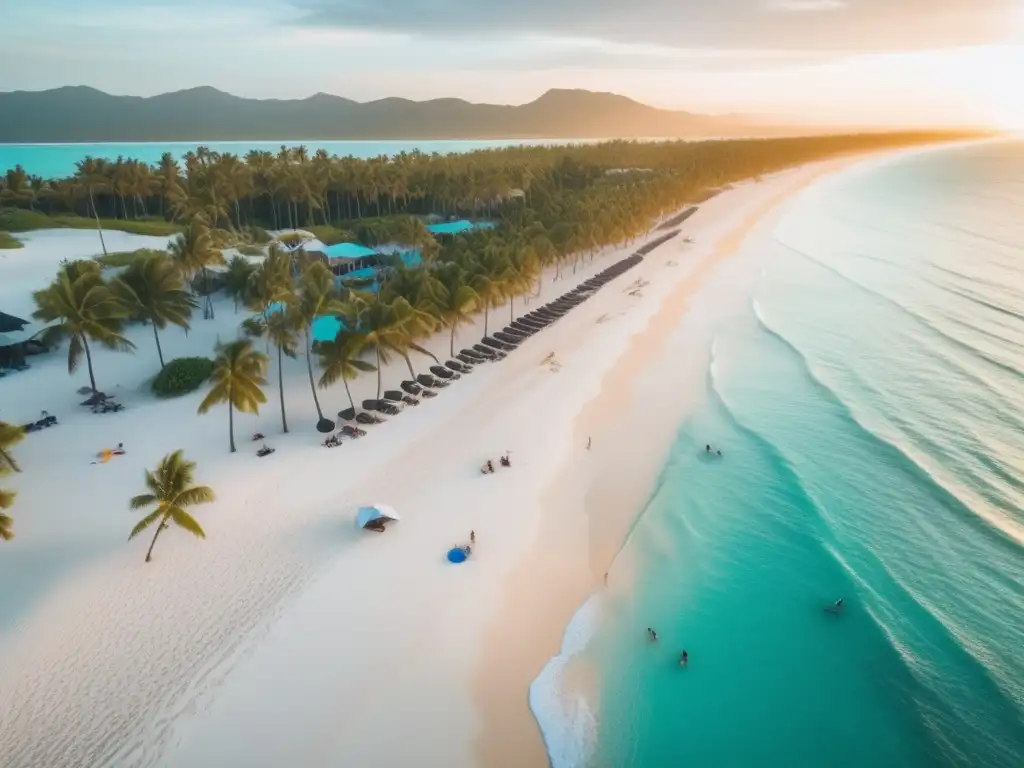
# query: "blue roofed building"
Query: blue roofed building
453,228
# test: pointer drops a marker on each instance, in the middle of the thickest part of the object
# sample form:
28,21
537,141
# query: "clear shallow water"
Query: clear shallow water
867,390
58,160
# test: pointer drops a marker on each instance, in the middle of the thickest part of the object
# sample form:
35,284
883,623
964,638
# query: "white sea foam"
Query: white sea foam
565,717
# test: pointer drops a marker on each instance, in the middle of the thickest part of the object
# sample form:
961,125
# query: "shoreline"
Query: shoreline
590,508
284,595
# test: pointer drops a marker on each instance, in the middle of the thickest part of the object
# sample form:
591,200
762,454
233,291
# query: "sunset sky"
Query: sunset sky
879,61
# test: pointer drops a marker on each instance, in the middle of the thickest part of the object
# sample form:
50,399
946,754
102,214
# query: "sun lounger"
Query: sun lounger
441,372
411,387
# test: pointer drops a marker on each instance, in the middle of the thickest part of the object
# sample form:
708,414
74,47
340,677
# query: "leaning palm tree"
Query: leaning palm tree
282,329
236,279
91,174
80,306
316,297
270,293
458,303
339,359
387,328
170,488
193,252
152,291
238,373
10,435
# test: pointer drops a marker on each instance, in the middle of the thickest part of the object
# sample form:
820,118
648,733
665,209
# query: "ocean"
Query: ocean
53,161
865,384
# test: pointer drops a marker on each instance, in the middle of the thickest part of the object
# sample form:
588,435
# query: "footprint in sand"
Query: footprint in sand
551,363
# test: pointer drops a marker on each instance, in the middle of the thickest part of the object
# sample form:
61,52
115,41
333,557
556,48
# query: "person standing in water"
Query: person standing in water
652,635
684,658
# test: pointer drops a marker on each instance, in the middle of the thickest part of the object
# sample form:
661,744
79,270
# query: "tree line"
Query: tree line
555,206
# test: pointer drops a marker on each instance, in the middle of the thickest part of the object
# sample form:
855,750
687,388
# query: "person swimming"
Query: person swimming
652,635
836,607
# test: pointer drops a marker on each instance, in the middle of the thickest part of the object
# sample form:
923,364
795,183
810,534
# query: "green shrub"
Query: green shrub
21,220
182,375
8,241
127,258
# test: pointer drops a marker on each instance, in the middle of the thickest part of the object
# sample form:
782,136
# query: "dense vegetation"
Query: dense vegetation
9,242
182,375
14,219
554,207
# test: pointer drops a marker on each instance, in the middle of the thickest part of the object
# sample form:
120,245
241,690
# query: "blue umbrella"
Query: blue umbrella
456,555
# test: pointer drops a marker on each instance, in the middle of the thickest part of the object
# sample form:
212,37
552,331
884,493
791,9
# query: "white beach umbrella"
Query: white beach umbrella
381,512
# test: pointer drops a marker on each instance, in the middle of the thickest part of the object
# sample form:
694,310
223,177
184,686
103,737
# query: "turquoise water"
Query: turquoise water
58,160
867,390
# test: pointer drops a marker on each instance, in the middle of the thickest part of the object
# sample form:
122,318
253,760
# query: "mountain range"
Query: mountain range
83,114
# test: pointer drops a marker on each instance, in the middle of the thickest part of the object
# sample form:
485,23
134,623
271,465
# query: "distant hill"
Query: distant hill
79,114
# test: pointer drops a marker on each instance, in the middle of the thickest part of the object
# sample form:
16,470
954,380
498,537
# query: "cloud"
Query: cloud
806,5
857,24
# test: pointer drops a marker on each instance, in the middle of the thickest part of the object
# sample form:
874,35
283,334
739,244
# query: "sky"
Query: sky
834,61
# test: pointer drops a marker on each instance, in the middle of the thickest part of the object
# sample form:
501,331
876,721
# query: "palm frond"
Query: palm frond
142,500
199,494
145,522
184,520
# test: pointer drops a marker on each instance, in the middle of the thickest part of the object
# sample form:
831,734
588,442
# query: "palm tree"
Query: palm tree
170,488
238,373
458,303
81,306
91,174
9,437
316,297
6,521
282,328
386,327
236,279
193,251
339,359
152,291
271,294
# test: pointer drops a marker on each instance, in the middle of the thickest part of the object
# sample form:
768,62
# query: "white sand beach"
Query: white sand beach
288,637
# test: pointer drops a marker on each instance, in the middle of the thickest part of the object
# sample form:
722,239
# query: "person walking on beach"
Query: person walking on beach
472,537
588,443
